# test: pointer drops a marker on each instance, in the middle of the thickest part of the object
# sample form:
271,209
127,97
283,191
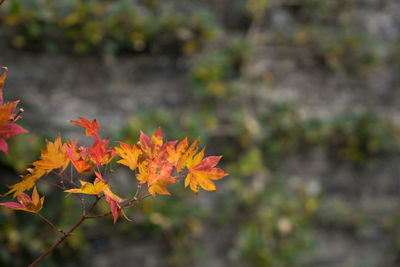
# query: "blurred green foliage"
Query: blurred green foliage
278,229
337,12
97,26
355,137
327,30
342,50
337,214
212,72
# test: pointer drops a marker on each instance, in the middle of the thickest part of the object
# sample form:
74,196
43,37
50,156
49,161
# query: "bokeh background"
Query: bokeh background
301,97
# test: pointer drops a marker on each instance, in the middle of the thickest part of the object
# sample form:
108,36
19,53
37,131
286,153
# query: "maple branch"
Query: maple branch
98,216
138,188
52,184
51,224
131,203
77,224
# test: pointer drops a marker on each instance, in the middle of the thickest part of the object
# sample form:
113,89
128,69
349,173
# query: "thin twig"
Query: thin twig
55,245
51,224
81,198
52,184
131,203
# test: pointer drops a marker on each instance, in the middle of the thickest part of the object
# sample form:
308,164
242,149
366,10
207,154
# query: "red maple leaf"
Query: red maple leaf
8,128
91,127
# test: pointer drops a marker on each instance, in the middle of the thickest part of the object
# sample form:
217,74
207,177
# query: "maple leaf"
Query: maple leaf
159,186
28,181
202,171
91,127
175,154
154,147
182,153
53,157
157,173
143,173
113,200
8,128
129,155
116,209
79,157
89,188
100,152
26,203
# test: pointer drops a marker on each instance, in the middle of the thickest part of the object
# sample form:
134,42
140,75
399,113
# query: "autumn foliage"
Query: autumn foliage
154,163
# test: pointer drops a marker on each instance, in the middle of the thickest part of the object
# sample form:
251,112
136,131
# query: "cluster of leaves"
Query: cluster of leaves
155,164
355,138
152,160
176,123
106,26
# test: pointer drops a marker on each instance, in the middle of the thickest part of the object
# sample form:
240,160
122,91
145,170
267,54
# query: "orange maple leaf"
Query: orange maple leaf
175,154
79,157
130,155
53,157
182,153
91,127
157,173
202,171
159,186
26,203
154,147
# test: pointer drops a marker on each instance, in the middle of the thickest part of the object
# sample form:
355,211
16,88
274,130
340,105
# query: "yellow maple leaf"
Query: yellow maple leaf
53,157
88,188
129,155
28,181
202,171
